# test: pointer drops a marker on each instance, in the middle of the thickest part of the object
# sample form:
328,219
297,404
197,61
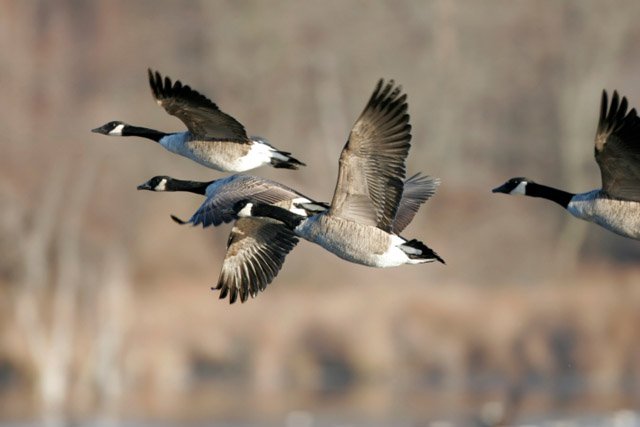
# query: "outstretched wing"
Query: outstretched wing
224,193
617,148
256,251
202,117
417,190
372,163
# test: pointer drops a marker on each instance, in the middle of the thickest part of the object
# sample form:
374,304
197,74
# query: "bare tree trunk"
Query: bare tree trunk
37,242
50,341
111,330
55,375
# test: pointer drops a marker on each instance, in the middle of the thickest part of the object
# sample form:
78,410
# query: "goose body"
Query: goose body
359,225
366,245
214,139
619,216
615,206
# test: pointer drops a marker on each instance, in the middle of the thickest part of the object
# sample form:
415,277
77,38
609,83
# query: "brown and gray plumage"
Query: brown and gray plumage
358,227
616,206
372,162
213,138
256,250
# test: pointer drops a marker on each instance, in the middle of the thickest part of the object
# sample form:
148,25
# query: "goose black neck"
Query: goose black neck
558,196
143,132
290,219
195,187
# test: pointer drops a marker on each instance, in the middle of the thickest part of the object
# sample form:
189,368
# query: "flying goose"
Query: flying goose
616,206
359,225
213,139
222,194
263,243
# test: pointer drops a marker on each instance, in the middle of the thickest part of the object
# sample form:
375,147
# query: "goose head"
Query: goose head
157,183
515,186
113,128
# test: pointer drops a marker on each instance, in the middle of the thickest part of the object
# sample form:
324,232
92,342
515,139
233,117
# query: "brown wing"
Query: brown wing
202,117
617,148
372,163
225,192
256,251
417,190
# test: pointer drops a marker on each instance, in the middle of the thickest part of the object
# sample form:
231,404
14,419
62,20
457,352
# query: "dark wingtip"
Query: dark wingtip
290,163
178,220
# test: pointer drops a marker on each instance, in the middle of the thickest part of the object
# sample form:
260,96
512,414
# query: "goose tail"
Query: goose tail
418,252
283,159
279,159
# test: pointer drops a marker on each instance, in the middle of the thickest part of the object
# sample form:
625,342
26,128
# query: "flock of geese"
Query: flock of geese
373,201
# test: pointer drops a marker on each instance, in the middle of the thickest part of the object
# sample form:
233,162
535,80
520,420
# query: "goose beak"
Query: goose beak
144,186
501,189
101,130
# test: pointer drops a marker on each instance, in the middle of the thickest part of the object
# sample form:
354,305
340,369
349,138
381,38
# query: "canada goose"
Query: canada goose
263,243
616,206
213,139
222,194
359,225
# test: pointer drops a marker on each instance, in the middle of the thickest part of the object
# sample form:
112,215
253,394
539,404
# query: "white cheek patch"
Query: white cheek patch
117,131
162,185
246,211
298,211
520,189
295,206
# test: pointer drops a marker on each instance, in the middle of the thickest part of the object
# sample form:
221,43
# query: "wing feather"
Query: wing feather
255,253
417,190
226,192
200,115
617,148
372,162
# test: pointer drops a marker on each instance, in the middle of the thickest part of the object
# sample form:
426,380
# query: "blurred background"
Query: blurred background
106,312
